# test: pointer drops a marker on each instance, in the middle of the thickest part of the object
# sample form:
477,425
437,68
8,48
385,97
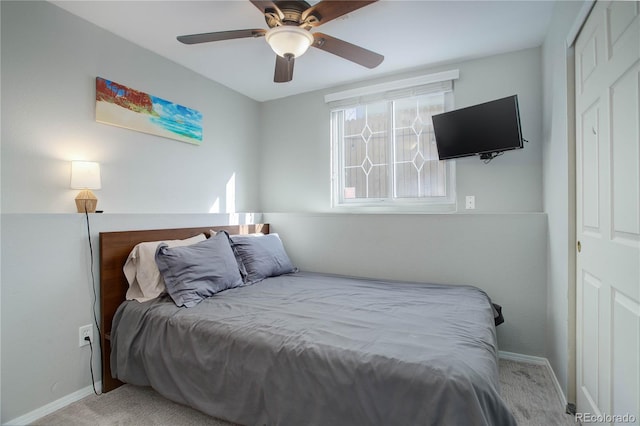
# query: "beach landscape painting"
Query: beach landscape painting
122,106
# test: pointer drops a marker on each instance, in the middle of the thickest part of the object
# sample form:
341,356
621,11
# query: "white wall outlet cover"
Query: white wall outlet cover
470,202
85,331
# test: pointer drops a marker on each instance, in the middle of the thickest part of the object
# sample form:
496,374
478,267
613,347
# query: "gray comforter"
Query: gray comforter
312,349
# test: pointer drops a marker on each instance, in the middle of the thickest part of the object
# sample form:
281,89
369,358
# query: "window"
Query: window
384,151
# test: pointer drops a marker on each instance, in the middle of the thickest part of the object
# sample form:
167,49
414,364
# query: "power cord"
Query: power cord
93,277
95,299
93,381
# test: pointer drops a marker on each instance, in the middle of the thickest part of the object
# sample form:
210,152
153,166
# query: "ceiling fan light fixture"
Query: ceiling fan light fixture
289,40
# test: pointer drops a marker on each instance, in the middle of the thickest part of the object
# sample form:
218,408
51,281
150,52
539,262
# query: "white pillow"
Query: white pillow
145,281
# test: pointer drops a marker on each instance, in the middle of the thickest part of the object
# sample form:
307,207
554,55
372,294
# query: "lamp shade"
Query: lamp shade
85,175
289,40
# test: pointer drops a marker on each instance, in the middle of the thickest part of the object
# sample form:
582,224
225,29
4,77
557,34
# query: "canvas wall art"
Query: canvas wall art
122,106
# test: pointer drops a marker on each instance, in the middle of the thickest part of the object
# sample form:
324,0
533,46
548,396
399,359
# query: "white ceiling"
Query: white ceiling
410,34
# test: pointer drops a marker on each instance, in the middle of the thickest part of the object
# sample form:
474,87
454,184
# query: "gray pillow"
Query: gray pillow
260,257
193,273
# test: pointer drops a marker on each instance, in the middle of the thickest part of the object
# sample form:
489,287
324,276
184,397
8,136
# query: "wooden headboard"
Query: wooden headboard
114,250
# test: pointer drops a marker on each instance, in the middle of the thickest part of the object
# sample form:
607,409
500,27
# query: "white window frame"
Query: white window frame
396,90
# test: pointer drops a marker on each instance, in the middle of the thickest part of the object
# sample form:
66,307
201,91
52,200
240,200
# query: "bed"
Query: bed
306,348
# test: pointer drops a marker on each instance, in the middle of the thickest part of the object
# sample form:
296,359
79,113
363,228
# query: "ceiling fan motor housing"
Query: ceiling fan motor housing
288,13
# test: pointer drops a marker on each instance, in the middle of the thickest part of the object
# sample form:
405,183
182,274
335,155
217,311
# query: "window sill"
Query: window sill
422,208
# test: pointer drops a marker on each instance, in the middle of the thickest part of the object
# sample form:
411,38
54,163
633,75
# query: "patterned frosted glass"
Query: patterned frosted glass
388,150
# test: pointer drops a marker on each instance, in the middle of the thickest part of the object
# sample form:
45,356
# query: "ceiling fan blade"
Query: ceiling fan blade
328,10
346,50
220,35
266,6
284,69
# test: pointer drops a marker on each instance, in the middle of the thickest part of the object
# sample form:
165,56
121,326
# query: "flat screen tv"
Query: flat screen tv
485,129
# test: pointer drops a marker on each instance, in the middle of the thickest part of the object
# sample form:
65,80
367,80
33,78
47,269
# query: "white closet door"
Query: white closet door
608,212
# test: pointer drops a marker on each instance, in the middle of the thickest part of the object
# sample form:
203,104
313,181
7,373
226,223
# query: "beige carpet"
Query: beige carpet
528,389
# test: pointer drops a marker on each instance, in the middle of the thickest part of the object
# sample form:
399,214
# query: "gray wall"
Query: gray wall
296,149
503,254
50,60
559,195
500,247
47,294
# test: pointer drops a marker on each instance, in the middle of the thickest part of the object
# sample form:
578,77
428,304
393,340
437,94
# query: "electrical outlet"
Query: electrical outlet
470,202
85,331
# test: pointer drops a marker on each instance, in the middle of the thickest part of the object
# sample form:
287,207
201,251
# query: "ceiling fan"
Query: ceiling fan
289,35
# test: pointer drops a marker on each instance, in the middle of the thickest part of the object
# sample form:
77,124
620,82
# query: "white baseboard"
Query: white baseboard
511,356
53,406
529,359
